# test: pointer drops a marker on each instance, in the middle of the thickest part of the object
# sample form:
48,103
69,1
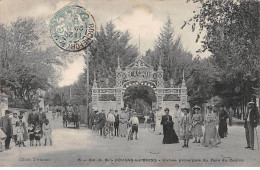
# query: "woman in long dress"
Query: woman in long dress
197,124
177,119
211,136
186,124
123,119
168,131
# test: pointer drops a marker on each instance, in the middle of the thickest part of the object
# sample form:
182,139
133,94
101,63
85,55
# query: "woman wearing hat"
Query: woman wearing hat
197,124
211,136
123,119
168,131
177,119
186,123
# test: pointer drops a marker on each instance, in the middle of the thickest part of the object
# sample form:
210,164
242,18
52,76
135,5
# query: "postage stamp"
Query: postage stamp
72,28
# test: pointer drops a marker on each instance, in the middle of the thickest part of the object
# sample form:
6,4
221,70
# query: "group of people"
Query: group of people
120,123
19,129
183,124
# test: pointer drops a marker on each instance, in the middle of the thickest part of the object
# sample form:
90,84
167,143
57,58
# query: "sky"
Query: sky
145,18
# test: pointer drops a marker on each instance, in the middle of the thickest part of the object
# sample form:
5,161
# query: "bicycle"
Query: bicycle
151,127
95,128
108,130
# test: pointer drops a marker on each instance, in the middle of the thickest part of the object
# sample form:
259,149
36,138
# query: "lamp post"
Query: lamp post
87,57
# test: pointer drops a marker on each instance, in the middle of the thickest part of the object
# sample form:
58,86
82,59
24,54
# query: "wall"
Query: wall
107,105
170,105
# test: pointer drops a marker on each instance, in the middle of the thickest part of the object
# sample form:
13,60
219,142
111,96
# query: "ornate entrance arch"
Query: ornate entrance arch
138,73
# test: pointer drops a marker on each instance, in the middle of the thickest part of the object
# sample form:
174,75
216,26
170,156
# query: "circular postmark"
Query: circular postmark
72,28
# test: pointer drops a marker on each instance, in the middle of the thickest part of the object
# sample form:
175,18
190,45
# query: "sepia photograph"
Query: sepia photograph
129,83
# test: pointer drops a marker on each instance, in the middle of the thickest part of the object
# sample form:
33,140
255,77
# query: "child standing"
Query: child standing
19,132
31,130
14,120
134,122
186,124
22,123
196,124
37,135
46,128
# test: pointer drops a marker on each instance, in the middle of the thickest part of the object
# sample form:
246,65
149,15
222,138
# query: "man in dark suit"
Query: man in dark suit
33,118
102,121
116,124
251,120
6,125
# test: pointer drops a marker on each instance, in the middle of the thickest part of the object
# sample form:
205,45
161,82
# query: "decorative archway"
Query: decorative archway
138,72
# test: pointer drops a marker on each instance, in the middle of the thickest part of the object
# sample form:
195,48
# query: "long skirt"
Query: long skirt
222,128
122,129
169,135
197,131
211,136
177,129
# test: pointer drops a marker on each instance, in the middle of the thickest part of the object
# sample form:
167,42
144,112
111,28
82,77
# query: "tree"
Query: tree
232,36
169,51
110,44
26,63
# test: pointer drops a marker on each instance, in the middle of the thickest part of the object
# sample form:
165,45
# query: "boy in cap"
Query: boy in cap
31,130
134,122
37,134
46,128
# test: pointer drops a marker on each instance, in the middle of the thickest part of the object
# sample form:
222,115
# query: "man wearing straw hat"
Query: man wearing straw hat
251,119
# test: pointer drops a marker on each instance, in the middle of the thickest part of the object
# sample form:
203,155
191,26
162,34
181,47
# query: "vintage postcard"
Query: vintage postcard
112,83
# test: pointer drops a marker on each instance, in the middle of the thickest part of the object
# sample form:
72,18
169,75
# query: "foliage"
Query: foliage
169,51
110,44
27,64
232,36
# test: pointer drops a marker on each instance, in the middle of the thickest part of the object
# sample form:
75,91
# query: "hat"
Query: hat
166,109
20,116
185,107
7,112
250,103
22,111
196,107
46,121
122,108
177,105
14,113
116,110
